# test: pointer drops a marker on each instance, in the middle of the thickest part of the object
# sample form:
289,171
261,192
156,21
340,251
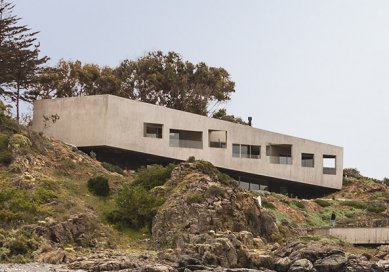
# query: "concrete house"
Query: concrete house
124,130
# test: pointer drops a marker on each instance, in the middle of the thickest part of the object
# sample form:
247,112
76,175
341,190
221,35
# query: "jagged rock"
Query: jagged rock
72,230
158,268
301,265
200,200
58,256
332,263
282,264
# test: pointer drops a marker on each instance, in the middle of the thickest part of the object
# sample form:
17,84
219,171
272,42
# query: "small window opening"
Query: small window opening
217,138
329,164
186,138
152,130
307,160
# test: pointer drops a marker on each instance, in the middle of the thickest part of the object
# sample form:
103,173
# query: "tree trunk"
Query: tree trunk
17,102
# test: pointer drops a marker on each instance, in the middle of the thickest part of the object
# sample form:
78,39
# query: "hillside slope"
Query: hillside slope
200,219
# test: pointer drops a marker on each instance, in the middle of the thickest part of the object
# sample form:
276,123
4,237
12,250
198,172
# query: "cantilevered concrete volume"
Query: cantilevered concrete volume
127,132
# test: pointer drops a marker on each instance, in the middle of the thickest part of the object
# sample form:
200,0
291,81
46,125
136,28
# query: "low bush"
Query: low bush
153,175
23,206
99,186
191,159
352,172
298,204
268,205
196,197
323,203
355,204
376,207
136,207
17,246
5,153
112,168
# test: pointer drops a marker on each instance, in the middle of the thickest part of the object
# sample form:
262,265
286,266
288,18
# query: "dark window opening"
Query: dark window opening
329,164
186,138
217,138
307,160
279,154
152,130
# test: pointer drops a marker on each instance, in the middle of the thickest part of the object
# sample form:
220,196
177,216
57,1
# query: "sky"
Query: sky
316,69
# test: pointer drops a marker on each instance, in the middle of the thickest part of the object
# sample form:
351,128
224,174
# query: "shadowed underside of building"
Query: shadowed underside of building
131,133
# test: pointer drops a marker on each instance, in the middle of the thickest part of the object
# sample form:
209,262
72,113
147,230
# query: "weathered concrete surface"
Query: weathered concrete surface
107,120
358,235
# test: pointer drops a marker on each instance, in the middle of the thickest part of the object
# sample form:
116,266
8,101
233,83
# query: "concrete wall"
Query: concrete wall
119,122
358,235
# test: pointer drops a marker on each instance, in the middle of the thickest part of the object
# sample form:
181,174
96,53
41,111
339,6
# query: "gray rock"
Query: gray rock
282,264
301,265
332,263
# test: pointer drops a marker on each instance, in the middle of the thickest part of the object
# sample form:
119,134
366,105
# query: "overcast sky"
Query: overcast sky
312,69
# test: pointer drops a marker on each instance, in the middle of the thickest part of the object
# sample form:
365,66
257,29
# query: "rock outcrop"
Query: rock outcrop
201,199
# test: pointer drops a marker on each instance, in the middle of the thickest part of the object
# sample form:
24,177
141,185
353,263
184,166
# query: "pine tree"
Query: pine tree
20,63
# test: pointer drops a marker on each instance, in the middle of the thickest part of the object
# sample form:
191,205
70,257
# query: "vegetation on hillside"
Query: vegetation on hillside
361,202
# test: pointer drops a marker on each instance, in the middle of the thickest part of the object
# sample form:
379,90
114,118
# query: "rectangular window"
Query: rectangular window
152,130
236,150
329,164
217,138
246,151
255,152
186,138
307,160
279,153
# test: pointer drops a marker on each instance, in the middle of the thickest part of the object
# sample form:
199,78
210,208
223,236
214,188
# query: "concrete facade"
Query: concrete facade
111,121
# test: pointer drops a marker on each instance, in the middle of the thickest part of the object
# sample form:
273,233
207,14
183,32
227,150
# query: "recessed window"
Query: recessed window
279,153
329,164
152,130
246,151
186,138
307,160
217,138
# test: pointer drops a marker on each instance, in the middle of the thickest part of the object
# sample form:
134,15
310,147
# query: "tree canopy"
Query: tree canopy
157,78
20,63
168,80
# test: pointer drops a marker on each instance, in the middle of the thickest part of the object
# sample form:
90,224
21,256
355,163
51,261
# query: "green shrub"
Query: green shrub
352,172
18,205
298,204
153,175
376,207
196,197
99,186
355,204
17,246
5,153
43,195
323,203
136,207
112,168
191,159
268,205
7,124
20,143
